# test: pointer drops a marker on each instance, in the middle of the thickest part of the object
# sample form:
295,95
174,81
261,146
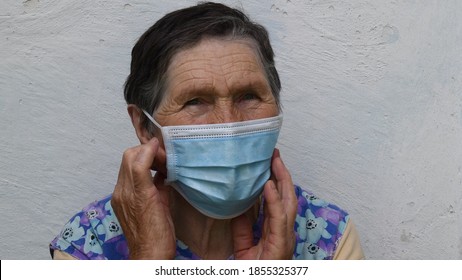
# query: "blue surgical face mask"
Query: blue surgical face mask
220,169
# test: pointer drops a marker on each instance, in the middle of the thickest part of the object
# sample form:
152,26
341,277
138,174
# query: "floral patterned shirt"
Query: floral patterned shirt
95,232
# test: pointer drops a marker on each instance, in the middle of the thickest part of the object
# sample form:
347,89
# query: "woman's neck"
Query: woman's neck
208,238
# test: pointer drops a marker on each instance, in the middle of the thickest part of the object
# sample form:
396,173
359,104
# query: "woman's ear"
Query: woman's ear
136,117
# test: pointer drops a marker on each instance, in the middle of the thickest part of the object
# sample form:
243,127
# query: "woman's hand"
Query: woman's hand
280,209
141,205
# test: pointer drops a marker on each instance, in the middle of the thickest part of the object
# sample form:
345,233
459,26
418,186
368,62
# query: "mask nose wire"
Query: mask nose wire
152,119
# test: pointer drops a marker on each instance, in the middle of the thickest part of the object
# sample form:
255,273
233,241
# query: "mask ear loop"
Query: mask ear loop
152,119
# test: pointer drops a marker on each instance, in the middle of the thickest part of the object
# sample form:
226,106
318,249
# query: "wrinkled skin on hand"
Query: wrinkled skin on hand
141,204
280,209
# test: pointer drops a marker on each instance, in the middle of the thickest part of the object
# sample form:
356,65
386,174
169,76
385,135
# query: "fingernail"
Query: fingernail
272,185
276,153
154,140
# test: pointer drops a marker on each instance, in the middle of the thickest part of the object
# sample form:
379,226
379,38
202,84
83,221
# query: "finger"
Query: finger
141,168
242,235
276,217
285,185
281,234
287,191
125,176
279,170
276,153
147,153
160,161
163,190
127,158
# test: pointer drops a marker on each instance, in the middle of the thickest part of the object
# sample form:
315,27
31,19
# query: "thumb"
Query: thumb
143,161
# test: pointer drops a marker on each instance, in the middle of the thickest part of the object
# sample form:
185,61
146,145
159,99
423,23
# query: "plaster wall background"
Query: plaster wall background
372,104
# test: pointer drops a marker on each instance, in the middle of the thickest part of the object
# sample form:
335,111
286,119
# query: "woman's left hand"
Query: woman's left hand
280,209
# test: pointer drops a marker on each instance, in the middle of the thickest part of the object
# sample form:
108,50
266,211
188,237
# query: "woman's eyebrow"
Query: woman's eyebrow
255,84
252,81
188,93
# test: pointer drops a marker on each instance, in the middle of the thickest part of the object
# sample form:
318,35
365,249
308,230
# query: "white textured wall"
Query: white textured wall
372,97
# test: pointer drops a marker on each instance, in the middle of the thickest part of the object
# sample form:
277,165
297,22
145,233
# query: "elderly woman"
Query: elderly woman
203,97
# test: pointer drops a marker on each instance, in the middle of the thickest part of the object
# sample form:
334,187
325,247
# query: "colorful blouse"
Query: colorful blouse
95,232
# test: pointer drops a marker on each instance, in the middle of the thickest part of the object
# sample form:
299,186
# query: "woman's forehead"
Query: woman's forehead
213,61
217,50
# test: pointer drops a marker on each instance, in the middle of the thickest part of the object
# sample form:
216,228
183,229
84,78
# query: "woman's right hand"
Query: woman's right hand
141,205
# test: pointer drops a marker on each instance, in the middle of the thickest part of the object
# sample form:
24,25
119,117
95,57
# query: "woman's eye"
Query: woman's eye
194,101
249,96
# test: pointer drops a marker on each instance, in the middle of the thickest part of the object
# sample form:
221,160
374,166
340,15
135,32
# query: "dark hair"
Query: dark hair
181,29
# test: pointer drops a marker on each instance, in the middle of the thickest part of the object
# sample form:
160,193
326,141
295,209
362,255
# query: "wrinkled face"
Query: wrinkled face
216,81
